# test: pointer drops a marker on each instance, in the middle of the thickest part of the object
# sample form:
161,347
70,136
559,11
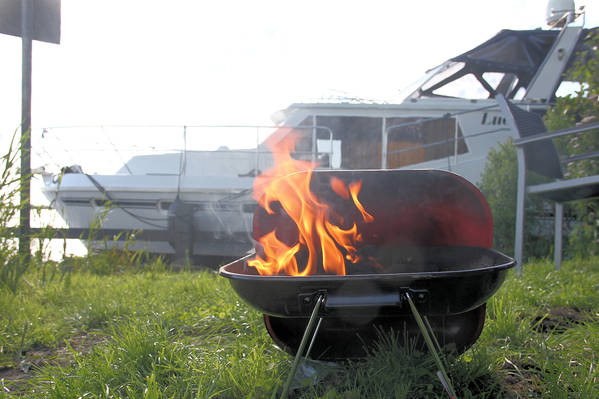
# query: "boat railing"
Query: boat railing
101,149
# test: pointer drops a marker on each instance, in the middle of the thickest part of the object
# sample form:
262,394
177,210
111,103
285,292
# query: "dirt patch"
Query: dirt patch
15,378
521,380
514,386
559,319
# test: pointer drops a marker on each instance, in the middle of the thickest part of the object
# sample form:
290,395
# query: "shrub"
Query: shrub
499,185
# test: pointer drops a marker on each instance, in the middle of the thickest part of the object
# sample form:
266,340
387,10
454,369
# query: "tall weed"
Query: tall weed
12,266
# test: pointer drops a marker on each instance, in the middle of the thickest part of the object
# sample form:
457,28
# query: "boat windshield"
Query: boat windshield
504,64
407,92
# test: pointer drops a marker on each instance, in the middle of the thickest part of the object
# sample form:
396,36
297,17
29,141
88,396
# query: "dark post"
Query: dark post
26,35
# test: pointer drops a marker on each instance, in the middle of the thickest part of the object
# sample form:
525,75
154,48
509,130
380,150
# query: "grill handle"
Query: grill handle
363,301
334,301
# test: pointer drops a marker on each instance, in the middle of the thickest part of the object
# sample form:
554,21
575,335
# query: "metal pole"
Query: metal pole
26,35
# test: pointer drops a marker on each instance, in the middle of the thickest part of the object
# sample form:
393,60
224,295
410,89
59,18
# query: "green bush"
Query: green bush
499,185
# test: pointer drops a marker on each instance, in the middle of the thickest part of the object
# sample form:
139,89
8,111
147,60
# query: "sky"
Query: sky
184,62
218,62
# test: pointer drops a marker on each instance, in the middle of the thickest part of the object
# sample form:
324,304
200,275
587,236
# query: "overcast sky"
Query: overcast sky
236,62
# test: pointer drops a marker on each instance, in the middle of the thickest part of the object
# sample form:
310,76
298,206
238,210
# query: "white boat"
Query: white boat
449,120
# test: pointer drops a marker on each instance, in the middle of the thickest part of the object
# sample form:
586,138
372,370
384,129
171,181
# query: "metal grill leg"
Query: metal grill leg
313,338
431,347
304,341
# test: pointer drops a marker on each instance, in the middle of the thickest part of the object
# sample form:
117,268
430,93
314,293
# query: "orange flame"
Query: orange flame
326,244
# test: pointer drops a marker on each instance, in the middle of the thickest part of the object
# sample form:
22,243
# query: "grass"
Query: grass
161,329
151,333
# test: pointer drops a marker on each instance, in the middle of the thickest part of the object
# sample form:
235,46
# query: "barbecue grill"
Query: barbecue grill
430,243
452,294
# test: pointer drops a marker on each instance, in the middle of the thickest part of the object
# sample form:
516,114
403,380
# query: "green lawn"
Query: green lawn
152,333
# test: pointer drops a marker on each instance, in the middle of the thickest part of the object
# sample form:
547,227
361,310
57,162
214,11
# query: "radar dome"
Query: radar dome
556,9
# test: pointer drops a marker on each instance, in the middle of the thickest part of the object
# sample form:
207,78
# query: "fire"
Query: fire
320,241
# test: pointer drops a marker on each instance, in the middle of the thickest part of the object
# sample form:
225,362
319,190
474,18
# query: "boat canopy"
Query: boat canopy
504,64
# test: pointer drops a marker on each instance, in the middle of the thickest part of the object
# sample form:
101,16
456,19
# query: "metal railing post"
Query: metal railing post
520,210
257,148
314,146
557,247
384,144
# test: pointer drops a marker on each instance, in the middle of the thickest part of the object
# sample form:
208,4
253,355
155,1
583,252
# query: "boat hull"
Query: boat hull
221,219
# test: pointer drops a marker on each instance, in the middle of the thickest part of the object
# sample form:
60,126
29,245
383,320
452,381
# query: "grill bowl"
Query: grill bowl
443,280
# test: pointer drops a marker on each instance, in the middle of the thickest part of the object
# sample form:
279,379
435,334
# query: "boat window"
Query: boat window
410,143
520,94
503,83
493,78
303,146
359,140
453,80
465,87
444,73
328,151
